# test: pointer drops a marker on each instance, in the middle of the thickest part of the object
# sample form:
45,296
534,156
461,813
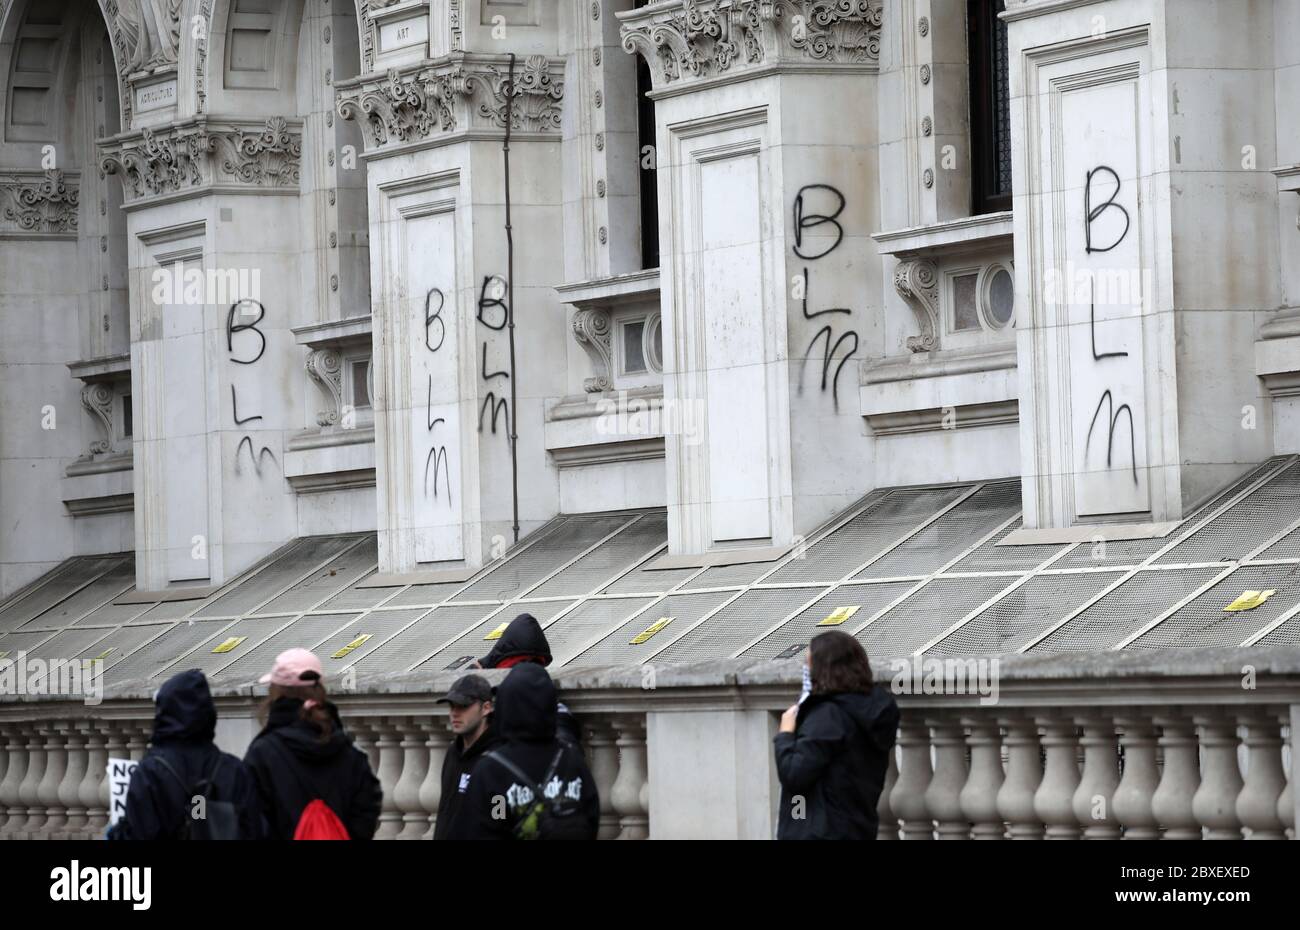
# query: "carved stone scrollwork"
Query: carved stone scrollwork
41,206
271,158
537,96
159,164
325,366
404,110
917,282
98,400
592,330
835,30
702,39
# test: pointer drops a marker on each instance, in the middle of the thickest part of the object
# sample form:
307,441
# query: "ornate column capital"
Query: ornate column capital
39,204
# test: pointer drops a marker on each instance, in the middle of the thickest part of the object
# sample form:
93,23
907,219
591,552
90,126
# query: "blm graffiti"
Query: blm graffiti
240,309
493,315
435,335
837,346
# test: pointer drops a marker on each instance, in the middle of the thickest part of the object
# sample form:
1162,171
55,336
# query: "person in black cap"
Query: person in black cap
523,641
470,706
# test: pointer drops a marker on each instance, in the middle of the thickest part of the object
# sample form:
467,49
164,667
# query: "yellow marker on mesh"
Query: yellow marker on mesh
839,615
651,630
229,645
4,653
496,634
103,655
1249,600
352,646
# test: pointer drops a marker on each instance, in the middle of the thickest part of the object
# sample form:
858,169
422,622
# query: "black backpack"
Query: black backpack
221,820
543,818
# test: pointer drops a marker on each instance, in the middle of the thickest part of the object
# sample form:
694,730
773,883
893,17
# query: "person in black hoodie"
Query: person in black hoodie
832,751
524,641
161,799
498,798
470,710
303,753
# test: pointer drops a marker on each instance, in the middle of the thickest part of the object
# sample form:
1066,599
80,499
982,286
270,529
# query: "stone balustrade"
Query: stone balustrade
1143,745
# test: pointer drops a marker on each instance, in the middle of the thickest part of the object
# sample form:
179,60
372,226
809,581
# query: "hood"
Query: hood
522,637
875,713
183,710
525,705
302,738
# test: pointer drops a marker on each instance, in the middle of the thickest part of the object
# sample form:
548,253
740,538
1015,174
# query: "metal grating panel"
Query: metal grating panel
735,626
295,561
643,580
103,589
179,639
950,535
472,641
1203,622
990,557
533,564
612,557
169,610
927,613
1265,513
1024,613
67,644
615,649
256,629
729,576
323,583
1125,610
120,643
13,643
578,628
868,534
111,614
1288,634
870,599
427,635
62,583
1288,547
304,633
424,595
359,598
381,624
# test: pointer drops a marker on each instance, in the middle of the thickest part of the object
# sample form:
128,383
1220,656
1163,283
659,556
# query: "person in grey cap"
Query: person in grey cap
470,704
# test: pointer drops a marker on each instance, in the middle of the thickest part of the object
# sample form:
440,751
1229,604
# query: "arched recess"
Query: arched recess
65,450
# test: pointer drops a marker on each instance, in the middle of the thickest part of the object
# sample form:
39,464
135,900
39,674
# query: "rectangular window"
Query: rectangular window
126,416
360,382
633,351
990,107
648,161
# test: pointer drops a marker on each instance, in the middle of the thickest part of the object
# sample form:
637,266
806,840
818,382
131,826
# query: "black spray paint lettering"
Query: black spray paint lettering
496,302
434,317
232,328
831,345
256,457
234,407
1113,415
1094,213
437,456
500,406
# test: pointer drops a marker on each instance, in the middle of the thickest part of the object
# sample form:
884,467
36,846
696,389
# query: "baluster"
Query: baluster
1015,799
92,785
1286,802
914,774
390,771
602,745
363,735
437,740
979,799
885,816
943,795
1093,799
1172,802
415,766
1054,799
1136,792
16,752
4,771
69,790
36,753
137,738
1215,802
1265,781
626,792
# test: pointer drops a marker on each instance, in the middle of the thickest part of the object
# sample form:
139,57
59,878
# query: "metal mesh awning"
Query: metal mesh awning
906,570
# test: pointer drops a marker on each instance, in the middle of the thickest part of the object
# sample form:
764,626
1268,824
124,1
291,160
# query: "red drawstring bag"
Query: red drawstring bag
319,822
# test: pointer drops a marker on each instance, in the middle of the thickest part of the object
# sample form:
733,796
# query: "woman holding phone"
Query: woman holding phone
832,751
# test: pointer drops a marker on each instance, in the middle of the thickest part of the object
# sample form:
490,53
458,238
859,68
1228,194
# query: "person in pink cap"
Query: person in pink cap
312,780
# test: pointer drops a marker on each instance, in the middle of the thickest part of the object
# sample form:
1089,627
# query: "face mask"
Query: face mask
807,684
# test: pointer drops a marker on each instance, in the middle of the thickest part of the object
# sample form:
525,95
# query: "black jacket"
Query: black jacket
525,716
835,762
524,637
157,803
457,767
334,770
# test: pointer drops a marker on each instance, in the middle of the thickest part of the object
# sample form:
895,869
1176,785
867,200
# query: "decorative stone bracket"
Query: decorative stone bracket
39,205
325,366
462,93
591,328
917,282
104,381
201,153
699,39
98,399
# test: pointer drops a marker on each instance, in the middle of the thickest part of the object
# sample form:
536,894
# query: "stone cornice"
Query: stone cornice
39,205
462,93
695,42
184,158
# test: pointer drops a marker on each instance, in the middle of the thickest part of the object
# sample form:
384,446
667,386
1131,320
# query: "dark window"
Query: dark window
648,160
126,416
990,108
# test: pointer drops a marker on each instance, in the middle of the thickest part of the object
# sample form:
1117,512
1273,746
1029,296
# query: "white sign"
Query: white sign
404,33
155,96
119,781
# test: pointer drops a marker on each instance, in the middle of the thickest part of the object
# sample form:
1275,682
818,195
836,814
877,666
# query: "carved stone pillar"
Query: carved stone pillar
1215,801
69,789
886,818
390,771
1257,804
626,793
1054,800
943,794
16,754
92,786
1015,799
1179,780
602,747
914,774
437,741
47,791
415,766
1136,791
1093,804
979,798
